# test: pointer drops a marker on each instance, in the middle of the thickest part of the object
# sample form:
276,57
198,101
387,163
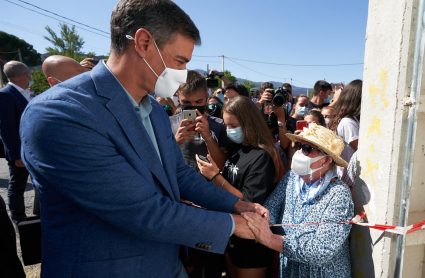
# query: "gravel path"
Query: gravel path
32,271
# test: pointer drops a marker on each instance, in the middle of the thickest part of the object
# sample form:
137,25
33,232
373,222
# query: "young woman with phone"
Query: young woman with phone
346,120
300,108
252,170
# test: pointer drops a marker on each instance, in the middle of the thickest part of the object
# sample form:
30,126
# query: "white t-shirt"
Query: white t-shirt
348,130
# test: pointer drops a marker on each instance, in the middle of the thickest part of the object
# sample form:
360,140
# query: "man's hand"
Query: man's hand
19,163
279,111
266,96
242,206
202,125
184,133
241,228
86,64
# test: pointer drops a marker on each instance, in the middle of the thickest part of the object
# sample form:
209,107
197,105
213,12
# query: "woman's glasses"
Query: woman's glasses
306,148
212,106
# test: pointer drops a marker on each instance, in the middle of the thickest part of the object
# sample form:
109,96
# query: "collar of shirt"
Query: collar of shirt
145,106
26,93
17,87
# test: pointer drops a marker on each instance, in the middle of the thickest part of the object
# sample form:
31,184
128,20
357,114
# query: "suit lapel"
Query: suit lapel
122,109
17,94
164,148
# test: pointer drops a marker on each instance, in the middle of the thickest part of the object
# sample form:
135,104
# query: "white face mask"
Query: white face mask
169,80
176,101
301,164
327,121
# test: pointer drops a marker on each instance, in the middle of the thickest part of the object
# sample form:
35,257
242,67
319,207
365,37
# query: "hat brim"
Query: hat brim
336,158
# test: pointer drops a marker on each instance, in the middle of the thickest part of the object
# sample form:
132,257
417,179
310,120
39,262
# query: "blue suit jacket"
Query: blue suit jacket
109,208
12,105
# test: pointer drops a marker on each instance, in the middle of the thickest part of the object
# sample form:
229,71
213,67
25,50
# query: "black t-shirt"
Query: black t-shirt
198,146
251,171
313,105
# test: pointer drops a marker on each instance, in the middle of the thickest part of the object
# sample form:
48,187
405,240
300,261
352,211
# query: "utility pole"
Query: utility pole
222,69
291,81
20,55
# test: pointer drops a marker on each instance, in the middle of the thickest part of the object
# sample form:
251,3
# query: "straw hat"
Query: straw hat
325,139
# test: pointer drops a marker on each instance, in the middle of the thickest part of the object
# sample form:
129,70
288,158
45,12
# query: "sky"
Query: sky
308,32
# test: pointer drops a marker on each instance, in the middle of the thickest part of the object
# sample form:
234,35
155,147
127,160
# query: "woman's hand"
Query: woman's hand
208,170
260,228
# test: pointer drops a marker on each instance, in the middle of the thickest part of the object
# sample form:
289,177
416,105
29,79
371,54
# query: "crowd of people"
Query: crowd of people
134,160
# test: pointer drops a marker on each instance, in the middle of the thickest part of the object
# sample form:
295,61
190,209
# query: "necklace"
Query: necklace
305,208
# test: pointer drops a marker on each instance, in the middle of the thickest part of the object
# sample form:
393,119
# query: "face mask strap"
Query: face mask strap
57,79
131,38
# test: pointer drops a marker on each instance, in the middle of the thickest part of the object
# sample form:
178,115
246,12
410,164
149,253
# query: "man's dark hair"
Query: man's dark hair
287,86
195,82
321,85
256,94
266,85
162,18
239,88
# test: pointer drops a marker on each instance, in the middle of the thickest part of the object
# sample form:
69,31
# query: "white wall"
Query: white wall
390,39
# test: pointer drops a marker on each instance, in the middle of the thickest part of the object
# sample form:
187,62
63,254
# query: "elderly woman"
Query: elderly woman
310,193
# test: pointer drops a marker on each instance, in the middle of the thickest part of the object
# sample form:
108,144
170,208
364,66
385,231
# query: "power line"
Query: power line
56,19
43,35
302,82
205,56
295,65
254,70
64,17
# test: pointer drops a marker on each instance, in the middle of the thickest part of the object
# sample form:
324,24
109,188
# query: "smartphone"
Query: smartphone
190,114
301,125
95,62
203,158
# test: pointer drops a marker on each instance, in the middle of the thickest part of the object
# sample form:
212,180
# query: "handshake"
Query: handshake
252,221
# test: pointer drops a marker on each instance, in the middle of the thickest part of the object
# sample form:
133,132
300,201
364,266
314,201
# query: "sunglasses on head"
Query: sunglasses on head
306,148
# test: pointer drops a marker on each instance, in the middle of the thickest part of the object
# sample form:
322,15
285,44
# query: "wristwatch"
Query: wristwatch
280,124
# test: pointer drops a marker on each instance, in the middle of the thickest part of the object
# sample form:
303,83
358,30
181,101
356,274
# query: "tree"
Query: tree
40,82
310,94
68,44
10,43
249,85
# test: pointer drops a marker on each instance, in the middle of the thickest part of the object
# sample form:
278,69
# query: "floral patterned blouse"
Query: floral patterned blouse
313,250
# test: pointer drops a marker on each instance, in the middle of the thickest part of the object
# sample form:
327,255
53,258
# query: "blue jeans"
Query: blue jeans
15,191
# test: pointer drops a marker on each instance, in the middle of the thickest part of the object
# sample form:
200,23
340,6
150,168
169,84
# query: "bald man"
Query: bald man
59,68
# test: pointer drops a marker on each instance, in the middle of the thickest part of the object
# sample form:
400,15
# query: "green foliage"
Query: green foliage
229,75
10,43
310,94
40,82
249,85
69,43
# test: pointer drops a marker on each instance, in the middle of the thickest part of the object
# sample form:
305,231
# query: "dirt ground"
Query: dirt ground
32,271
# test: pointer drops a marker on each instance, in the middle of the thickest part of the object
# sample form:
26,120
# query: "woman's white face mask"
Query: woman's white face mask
301,164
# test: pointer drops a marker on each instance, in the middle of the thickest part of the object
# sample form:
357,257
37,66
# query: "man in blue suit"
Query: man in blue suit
107,166
13,100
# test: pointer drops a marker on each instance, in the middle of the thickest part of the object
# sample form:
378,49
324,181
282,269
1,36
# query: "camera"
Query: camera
212,82
280,96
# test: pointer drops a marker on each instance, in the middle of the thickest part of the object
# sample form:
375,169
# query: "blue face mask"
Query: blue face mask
301,111
31,82
235,134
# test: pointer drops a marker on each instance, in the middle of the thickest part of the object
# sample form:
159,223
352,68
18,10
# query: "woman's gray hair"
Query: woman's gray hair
162,18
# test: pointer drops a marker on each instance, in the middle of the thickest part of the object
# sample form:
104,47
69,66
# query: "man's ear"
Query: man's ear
328,160
52,81
143,40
